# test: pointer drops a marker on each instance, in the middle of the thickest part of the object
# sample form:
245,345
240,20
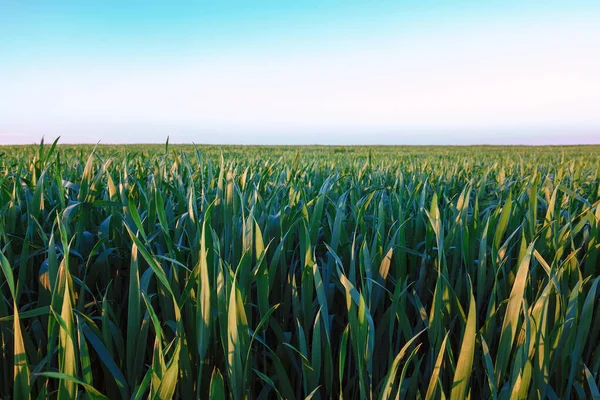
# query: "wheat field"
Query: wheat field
181,271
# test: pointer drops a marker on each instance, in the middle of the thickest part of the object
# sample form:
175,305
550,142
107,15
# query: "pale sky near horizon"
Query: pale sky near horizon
282,72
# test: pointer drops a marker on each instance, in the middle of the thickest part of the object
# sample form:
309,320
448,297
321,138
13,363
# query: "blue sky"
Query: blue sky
283,72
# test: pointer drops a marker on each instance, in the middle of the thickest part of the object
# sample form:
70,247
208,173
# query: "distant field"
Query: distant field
287,272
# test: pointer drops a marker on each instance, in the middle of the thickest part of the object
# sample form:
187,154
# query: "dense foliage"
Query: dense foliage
265,272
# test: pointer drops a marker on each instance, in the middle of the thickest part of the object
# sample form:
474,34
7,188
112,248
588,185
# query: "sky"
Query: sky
300,72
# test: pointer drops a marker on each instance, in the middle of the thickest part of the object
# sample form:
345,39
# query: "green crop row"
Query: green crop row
141,271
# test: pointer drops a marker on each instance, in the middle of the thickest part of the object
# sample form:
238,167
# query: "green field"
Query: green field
290,272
